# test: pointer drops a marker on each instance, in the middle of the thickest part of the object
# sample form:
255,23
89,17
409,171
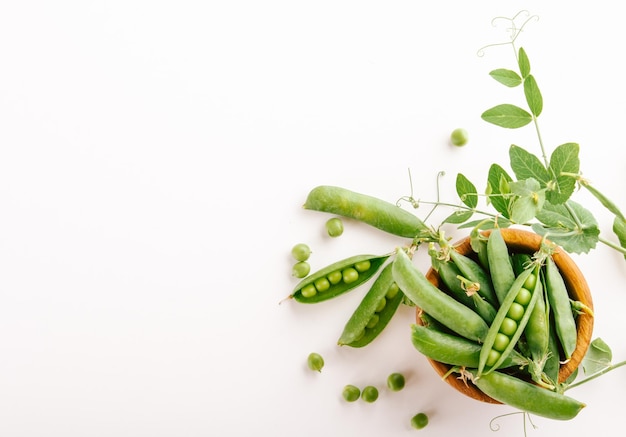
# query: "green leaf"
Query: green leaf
467,191
569,225
459,216
525,165
529,202
506,77
497,189
523,63
533,95
564,159
507,116
619,227
597,358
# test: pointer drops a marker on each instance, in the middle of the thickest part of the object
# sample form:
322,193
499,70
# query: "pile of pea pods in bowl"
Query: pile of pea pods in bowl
503,315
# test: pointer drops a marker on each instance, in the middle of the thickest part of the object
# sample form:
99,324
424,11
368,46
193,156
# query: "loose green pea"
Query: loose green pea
301,252
315,361
369,394
419,421
350,275
334,227
322,284
396,381
351,393
335,277
301,269
459,137
363,266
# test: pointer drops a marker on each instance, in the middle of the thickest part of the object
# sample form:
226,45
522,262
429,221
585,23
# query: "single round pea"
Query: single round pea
492,357
315,361
393,291
501,342
334,227
363,266
516,312
373,321
349,275
301,252
396,381
523,296
369,394
419,421
335,277
508,327
530,282
308,290
381,305
459,137
322,284
301,269
351,393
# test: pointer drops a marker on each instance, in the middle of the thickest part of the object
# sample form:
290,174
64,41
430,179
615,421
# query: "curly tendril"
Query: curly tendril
513,29
493,426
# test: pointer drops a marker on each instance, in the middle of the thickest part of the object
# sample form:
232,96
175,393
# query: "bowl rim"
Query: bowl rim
575,282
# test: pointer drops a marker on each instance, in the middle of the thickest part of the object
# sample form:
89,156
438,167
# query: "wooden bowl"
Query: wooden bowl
521,241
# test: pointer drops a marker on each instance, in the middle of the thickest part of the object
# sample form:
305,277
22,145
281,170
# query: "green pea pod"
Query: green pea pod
372,316
552,364
527,397
449,274
371,210
452,349
435,302
561,308
500,267
537,330
309,290
509,300
475,273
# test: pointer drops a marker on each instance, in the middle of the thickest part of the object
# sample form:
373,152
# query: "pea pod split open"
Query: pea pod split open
337,278
371,210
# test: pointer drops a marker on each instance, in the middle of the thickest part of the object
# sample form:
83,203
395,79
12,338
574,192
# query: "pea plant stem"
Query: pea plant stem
597,374
612,245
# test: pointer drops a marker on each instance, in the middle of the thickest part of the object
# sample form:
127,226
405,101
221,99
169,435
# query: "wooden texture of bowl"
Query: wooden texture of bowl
521,241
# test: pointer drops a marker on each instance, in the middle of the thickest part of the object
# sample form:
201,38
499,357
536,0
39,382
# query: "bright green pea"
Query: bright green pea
381,305
315,361
501,342
396,381
301,269
392,292
334,277
373,321
369,394
301,252
516,312
322,284
351,393
508,327
530,282
334,227
363,266
523,296
419,421
492,358
459,137
308,291
350,275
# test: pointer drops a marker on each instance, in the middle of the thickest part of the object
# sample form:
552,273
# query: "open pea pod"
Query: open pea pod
374,312
337,278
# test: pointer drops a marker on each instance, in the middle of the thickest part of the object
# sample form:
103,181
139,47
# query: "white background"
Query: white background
154,157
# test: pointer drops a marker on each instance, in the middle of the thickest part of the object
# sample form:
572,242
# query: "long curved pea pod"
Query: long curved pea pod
475,273
500,267
448,311
485,367
558,298
528,397
374,312
337,278
537,330
452,349
371,210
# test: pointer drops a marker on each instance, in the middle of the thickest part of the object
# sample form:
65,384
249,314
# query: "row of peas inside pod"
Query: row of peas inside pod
506,310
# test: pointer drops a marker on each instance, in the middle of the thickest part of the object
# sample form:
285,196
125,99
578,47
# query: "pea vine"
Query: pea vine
540,192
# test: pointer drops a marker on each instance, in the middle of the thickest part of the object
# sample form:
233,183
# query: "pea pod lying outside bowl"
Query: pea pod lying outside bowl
524,242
